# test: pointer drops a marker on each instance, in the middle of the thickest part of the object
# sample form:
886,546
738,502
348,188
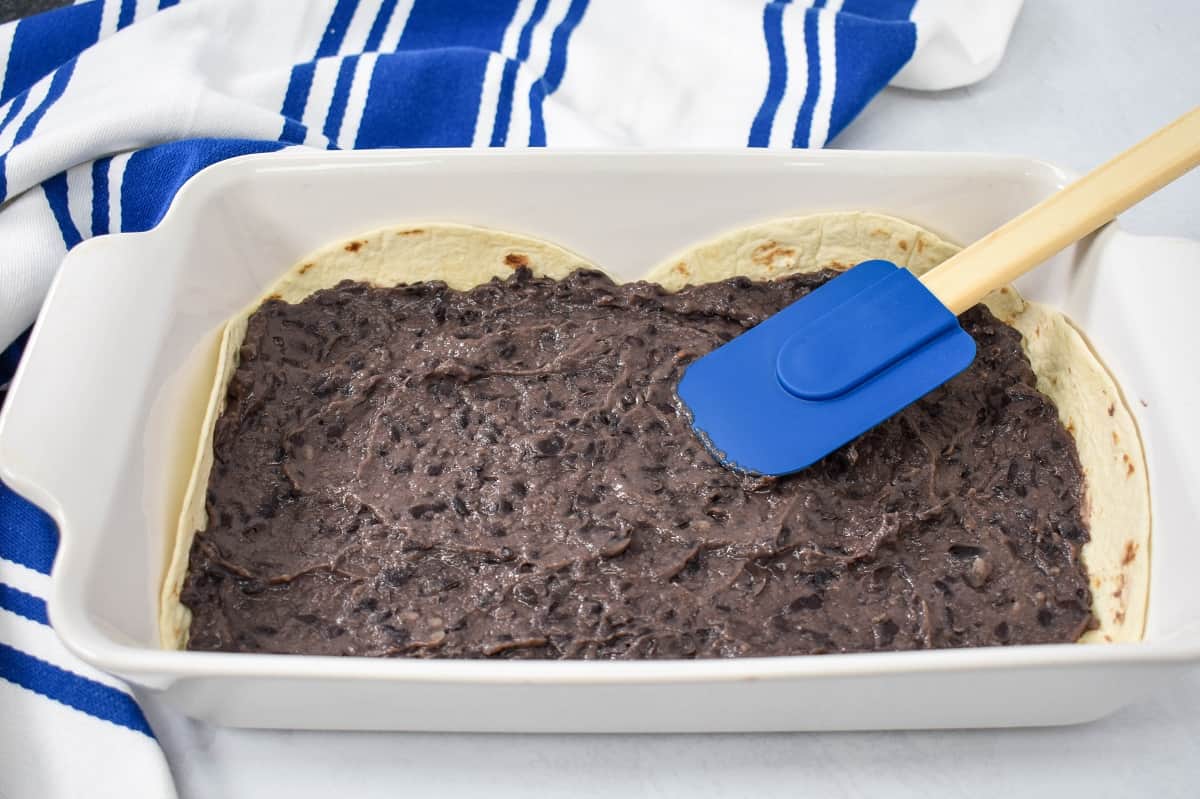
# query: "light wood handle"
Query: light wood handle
1067,216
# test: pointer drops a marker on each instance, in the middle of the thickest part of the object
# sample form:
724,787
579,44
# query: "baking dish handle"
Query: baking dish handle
48,455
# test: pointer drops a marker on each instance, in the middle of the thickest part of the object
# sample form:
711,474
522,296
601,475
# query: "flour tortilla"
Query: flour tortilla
1089,402
1090,405
459,255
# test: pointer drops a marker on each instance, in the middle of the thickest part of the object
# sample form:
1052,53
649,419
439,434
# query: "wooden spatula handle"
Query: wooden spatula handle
1021,244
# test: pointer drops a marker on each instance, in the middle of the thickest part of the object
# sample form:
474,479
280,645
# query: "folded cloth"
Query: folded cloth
107,107
66,729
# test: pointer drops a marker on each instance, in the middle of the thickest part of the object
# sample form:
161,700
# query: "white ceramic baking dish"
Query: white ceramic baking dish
103,414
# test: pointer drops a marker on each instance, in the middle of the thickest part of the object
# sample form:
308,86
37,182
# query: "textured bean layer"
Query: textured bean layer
506,472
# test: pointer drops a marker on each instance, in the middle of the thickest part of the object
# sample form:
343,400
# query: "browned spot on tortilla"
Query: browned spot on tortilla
1131,549
1108,638
902,244
516,259
1128,464
306,267
838,265
412,232
1037,330
920,245
1071,428
1116,438
1111,409
354,246
1119,616
879,233
1003,289
1120,586
766,253
275,297
1096,582
763,252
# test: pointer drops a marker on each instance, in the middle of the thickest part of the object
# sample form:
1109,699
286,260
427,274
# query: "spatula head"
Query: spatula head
824,370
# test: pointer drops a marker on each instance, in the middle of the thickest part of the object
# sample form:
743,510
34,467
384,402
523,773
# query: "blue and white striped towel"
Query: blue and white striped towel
108,106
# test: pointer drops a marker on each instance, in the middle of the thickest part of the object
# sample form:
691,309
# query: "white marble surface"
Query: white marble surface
1081,80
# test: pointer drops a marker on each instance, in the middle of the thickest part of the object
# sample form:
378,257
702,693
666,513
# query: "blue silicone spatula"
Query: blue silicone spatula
860,348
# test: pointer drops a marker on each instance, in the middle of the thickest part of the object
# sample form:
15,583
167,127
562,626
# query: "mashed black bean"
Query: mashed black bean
506,472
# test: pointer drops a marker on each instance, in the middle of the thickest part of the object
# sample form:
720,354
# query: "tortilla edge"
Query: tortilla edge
776,248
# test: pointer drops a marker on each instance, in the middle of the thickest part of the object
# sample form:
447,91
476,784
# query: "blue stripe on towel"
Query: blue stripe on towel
27,535
68,688
858,79
9,358
17,104
58,85
879,9
465,23
800,137
427,93
556,68
341,96
13,109
508,79
379,26
300,83
760,128
55,189
128,9
504,103
423,98
43,43
335,31
153,176
100,196
17,601
294,101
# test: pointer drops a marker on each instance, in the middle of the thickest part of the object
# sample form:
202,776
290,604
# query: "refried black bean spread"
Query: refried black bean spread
506,472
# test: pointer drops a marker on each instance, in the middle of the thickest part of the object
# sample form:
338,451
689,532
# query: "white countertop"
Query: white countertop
1081,81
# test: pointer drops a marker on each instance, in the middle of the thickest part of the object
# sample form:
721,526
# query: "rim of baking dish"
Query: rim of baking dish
153,665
